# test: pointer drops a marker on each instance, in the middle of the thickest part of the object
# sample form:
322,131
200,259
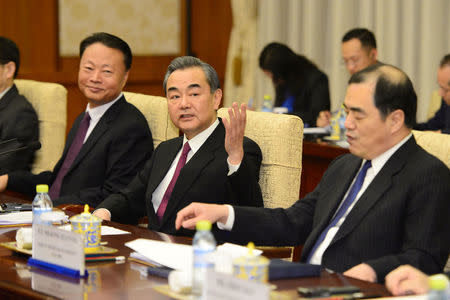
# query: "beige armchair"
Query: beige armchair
280,138
437,144
154,109
50,102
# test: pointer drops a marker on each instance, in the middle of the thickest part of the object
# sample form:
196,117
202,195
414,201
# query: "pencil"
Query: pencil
105,258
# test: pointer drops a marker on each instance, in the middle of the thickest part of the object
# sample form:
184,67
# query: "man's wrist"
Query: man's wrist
229,222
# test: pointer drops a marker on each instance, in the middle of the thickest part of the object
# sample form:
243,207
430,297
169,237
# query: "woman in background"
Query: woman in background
299,85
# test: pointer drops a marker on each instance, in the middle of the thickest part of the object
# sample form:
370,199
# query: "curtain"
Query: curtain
241,56
411,34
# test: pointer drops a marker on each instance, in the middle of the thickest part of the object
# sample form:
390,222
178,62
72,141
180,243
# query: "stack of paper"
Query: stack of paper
15,218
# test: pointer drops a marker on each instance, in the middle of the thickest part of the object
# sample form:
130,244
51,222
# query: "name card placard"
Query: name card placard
220,286
58,247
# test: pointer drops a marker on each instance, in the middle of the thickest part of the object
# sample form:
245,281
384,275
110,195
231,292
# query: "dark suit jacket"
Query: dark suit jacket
440,121
18,120
203,179
311,96
402,217
114,152
314,98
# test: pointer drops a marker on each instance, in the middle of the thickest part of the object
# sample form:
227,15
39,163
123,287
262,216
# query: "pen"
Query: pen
105,258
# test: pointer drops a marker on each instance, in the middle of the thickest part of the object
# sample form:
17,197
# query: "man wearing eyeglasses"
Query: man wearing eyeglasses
359,51
440,122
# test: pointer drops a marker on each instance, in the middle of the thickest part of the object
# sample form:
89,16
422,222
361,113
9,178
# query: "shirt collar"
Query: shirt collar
197,141
4,92
97,112
379,161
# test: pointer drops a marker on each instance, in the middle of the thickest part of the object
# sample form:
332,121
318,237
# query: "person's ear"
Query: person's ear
373,54
396,120
10,68
217,98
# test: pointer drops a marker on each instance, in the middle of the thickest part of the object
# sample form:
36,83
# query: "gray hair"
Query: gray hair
185,62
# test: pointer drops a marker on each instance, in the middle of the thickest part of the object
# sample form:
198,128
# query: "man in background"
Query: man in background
19,125
440,122
212,162
359,51
107,144
374,209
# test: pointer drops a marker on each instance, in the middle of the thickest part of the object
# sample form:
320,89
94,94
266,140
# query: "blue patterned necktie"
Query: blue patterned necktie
354,190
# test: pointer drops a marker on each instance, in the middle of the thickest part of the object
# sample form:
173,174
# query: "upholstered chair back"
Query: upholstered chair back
280,138
154,108
435,143
50,102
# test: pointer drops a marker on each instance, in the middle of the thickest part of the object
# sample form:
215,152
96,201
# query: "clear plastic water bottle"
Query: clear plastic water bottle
439,287
203,245
41,203
342,117
267,105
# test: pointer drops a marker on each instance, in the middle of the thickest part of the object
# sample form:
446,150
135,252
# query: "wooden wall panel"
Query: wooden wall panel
211,23
37,37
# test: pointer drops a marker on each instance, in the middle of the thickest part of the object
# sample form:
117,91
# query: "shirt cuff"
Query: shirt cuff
230,221
232,168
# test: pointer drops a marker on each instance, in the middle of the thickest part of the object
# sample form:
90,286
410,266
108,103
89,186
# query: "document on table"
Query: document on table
106,230
175,256
15,218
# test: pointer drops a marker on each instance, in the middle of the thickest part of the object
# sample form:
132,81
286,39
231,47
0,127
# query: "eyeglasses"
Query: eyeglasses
351,61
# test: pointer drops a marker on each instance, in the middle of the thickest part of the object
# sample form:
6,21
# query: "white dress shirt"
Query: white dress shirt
377,165
96,114
195,143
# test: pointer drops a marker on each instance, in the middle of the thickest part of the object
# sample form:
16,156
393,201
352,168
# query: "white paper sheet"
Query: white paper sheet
175,256
22,217
106,230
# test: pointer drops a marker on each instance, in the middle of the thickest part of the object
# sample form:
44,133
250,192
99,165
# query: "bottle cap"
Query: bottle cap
438,282
42,188
203,225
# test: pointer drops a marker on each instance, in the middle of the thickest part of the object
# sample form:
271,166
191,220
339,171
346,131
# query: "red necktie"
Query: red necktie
74,149
165,199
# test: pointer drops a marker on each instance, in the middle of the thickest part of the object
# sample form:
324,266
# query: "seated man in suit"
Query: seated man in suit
381,206
202,165
108,143
18,120
441,120
359,51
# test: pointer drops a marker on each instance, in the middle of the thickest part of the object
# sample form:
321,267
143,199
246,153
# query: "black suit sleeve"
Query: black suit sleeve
21,125
128,205
318,97
425,243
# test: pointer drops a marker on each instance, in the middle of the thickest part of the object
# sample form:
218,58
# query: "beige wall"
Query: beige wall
150,27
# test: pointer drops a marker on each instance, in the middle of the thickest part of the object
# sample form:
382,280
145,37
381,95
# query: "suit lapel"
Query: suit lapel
7,98
101,127
334,192
377,188
193,169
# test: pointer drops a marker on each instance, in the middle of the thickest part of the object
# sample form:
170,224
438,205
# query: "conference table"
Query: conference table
126,280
